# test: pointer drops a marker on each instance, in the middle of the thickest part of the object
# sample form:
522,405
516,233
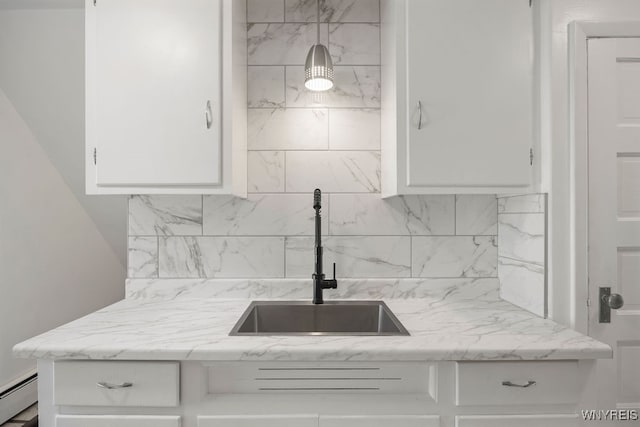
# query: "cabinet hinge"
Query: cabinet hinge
96,1
95,156
531,156
530,2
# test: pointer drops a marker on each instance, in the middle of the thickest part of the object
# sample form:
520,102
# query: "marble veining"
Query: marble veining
265,10
521,251
364,214
288,129
301,10
333,11
142,257
476,214
454,256
165,215
522,284
350,11
168,289
354,129
333,171
522,237
265,87
354,44
358,256
447,325
221,257
265,172
526,203
282,44
261,215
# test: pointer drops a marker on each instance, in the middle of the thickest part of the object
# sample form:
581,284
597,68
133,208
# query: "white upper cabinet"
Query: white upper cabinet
458,86
162,97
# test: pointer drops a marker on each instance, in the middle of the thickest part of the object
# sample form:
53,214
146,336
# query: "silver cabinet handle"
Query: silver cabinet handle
208,115
510,384
419,115
113,386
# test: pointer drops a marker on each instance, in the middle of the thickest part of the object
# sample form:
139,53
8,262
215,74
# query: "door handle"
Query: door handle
608,301
419,115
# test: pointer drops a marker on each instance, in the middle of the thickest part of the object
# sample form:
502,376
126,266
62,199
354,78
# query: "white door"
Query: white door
614,213
153,91
470,88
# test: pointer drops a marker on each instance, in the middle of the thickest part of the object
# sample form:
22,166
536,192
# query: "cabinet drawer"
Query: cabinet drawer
259,421
517,420
87,383
503,383
116,421
380,421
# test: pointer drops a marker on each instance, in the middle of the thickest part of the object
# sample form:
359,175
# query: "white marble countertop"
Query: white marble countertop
447,320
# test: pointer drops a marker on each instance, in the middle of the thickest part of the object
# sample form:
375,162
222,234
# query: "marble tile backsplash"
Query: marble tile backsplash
299,141
522,251
270,235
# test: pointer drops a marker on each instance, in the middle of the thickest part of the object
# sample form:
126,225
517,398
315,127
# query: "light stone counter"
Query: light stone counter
191,319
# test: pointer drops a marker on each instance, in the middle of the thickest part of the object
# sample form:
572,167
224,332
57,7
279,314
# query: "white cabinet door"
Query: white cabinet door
258,421
116,421
517,420
153,82
470,82
380,421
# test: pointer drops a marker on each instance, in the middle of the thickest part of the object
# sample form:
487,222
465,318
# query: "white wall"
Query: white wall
55,264
61,252
555,123
42,73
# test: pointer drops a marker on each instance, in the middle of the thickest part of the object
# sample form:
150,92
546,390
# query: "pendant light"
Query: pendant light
318,69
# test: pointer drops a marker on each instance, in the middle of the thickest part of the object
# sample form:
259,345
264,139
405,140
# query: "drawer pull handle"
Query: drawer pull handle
510,384
113,386
208,115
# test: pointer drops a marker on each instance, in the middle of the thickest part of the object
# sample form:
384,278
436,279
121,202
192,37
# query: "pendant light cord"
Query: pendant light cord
318,19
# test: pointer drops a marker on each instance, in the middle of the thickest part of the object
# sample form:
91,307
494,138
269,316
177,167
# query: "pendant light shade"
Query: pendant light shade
318,70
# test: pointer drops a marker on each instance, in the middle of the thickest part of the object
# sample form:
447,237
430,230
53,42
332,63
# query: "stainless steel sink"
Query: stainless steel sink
330,318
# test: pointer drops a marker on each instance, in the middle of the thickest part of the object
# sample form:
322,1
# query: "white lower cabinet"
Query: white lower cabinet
311,394
380,421
116,421
517,420
258,421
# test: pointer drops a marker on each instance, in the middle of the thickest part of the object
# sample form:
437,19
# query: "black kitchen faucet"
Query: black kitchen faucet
319,282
